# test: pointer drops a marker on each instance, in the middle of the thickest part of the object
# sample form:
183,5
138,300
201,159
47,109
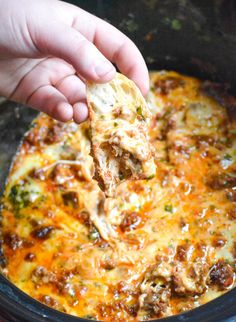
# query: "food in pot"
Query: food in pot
162,246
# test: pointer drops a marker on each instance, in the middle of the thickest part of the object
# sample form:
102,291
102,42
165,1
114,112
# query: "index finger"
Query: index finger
115,46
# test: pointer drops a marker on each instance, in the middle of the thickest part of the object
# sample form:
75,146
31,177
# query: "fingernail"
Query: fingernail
103,68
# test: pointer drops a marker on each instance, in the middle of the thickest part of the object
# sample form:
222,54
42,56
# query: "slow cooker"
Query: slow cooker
195,37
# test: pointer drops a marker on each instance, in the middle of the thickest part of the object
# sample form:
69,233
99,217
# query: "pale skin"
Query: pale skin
49,48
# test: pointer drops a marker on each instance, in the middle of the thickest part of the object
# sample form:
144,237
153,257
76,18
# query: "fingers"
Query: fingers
44,72
123,52
80,112
89,44
60,40
73,89
116,47
52,87
49,100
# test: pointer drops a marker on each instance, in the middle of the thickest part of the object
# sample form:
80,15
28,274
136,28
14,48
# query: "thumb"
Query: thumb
63,41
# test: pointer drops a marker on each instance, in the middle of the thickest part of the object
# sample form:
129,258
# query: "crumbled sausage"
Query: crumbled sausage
38,174
111,310
42,232
231,195
130,221
37,135
54,134
181,253
155,301
84,218
156,289
70,198
108,263
164,86
40,275
30,257
219,241
12,240
50,301
221,275
221,181
62,173
232,213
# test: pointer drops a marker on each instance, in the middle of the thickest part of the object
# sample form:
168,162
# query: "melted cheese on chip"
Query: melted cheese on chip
119,119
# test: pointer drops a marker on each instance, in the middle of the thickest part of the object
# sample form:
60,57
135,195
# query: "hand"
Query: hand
48,48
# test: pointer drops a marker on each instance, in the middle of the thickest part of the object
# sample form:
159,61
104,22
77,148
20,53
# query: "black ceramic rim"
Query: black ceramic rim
25,308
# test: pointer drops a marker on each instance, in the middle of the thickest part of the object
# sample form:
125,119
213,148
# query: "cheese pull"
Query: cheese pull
119,119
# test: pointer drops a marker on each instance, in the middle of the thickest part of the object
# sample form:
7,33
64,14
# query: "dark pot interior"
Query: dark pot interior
195,37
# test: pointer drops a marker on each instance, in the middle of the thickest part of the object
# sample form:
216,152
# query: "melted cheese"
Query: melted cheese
119,120
170,236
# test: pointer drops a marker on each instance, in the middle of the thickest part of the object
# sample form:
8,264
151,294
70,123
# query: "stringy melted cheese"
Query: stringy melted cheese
161,247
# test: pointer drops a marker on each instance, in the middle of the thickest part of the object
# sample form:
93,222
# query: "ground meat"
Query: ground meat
108,263
190,269
156,290
54,134
62,173
42,232
221,275
130,221
49,134
37,135
84,218
231,195
71,198
38,174
48,300
155,301
41,276
12,240
221,181
125,289
111,310
181,253
218,241
232,213
164,86
30,257
189,278
203,140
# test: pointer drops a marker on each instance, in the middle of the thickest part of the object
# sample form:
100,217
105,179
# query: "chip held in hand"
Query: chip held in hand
119,119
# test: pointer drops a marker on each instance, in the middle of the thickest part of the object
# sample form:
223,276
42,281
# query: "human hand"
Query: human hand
48,49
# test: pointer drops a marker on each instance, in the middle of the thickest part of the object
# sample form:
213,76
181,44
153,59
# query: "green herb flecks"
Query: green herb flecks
140,112
151,177
19,197
94,234
227,156
121,176
176,24
169,208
